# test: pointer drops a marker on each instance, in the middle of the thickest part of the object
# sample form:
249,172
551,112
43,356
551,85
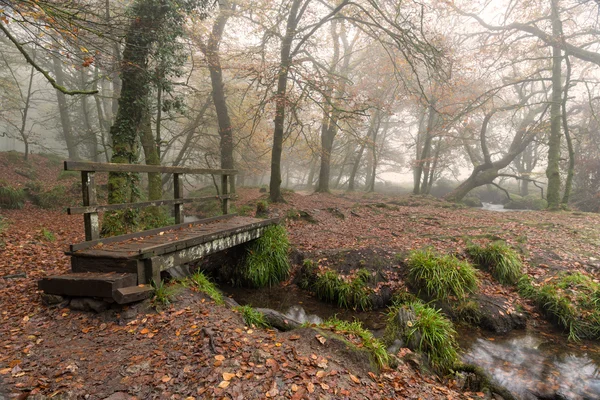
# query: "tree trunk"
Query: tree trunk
280,103
25,114
134,98
211,51
91,139
355,166
553,169
151,156
63,110
570,149
425,150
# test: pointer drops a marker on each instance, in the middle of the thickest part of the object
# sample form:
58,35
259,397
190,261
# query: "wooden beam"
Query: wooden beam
225,192
114,239
89,284
112,167
178,194
186,255
90,220
110,207
164,248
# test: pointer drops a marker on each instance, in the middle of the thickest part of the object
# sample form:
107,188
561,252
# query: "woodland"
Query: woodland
434,165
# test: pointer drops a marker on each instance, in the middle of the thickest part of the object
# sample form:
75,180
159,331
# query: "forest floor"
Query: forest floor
141,353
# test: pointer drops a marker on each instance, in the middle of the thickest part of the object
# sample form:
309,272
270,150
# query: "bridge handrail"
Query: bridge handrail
91,207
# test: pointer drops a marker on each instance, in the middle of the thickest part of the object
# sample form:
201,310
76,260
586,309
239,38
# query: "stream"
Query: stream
532,365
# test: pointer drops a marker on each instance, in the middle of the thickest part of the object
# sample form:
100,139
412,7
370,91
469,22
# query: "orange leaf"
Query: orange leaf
223,384
227,376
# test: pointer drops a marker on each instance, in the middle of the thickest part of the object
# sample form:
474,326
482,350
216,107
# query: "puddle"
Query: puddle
496,207
532,366
526,364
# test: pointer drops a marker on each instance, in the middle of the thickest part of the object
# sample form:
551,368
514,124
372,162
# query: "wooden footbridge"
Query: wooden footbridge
121,268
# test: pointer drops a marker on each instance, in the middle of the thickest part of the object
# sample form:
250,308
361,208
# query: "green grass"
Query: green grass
163,293
266,262
47,235
441,276
501,260
200,281
332,288
11,198
252,318
571,300
262,208
435,334
243,210
356,332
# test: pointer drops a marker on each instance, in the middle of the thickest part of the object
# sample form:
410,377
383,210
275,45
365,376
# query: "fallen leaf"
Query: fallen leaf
223,384
321,339
220,357
165,379
354,379
310,387
228,376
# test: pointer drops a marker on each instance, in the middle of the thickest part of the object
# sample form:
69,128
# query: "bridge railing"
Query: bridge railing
91,208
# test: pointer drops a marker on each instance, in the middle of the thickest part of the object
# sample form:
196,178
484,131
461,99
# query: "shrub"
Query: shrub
68,175
503,262
472,202
154,217
244,210
569,299
47,235
433,333
441,276
355,331
206,286
266,262
55,197
252,317
11,198
530,202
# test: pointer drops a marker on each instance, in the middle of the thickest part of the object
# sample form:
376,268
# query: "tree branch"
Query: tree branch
40,69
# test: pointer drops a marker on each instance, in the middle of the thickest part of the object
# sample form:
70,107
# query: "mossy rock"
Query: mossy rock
472,202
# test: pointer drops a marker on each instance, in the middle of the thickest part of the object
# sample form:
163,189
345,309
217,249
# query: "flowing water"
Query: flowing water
530,365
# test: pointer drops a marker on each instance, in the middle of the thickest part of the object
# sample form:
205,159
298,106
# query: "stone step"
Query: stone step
87,284
132,294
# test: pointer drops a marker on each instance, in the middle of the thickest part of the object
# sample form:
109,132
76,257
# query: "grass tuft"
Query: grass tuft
501,260
11,198
571,300
332,288
356,332
433,333
252,318
204,285
266,262
163,293
441,276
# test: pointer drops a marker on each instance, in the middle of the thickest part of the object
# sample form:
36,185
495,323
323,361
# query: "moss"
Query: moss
441,276
52,198
503,262
67,175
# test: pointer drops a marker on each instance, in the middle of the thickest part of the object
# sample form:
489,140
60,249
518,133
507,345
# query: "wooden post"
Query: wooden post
225,192
178,188
90,220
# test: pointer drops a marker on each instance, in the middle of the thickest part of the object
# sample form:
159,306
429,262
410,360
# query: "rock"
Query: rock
278,320
88,304
134,369
497,315
395,346
336,212
51,299
262,190
404,320
178,272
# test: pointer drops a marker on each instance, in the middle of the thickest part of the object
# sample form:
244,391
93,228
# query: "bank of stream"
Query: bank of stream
531,364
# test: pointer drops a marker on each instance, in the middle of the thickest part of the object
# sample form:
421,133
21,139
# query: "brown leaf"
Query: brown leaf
310,387
220,357
354,379
321,339
223,384
227,376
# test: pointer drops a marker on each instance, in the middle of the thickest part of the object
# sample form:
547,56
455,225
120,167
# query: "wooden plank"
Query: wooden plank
90,221
120,238
132,293
124,206
169,260
89,284
112,167
103,264
218,234
178,194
